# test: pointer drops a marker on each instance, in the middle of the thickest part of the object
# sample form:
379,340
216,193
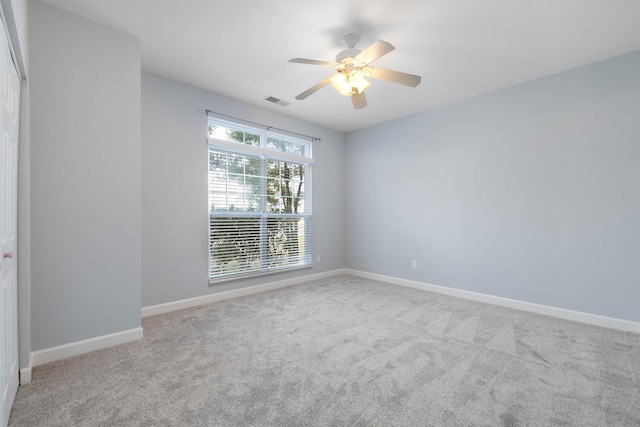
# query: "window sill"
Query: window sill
242,276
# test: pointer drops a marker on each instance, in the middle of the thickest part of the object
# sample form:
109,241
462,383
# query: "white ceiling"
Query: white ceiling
461,48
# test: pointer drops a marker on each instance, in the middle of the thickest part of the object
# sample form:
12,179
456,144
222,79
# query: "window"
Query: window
259,201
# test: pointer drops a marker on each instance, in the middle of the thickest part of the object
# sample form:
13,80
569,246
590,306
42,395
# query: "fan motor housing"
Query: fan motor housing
347,53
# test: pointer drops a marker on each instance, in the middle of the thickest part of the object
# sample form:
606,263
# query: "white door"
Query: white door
9,115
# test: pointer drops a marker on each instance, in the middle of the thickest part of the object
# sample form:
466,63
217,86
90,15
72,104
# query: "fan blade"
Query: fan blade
313,62
375,51
313,89
359,100
395,77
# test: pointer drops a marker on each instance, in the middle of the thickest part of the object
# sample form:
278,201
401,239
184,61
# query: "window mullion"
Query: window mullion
226,180
264,244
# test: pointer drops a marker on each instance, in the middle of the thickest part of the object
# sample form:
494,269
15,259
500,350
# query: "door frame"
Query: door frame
13,14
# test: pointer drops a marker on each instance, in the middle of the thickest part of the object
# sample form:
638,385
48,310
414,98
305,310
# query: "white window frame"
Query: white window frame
264,153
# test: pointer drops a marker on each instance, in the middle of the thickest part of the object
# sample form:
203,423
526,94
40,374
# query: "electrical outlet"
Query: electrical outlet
414,264
317,258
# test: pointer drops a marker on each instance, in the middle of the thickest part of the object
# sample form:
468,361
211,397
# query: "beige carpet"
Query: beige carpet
345,352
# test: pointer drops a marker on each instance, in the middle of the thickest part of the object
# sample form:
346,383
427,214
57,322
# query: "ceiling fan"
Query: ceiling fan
352,67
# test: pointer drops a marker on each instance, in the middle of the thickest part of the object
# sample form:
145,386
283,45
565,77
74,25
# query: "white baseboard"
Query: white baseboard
221,296
25,375
576,316
77,348
40,357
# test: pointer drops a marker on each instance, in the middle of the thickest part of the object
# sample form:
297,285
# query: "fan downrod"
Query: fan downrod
350,40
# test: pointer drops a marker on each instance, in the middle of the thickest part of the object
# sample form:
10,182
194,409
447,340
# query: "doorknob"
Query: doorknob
7,255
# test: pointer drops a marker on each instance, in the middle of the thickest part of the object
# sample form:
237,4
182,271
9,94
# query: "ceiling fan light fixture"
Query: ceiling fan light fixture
362,86
340,84
356,77
350,83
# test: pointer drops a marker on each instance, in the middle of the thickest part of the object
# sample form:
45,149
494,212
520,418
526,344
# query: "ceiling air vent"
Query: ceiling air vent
276,101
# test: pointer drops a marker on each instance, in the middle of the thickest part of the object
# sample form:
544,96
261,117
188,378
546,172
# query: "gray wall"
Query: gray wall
85,178
531,193
174,190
